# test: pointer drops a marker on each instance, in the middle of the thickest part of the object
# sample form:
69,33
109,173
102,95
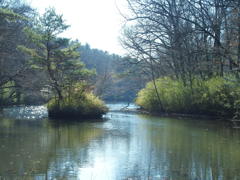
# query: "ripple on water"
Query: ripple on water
26,112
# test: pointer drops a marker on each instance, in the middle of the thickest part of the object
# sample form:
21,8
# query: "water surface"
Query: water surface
123,146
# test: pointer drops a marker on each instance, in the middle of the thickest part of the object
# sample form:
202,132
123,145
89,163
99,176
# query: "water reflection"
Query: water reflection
125,146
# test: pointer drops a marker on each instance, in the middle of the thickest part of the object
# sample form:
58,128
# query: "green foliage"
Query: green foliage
80,104
14,16
216,96
57,57
46,46
5,94
9,15
52,23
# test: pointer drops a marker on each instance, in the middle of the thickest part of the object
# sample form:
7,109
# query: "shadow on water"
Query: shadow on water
74,121
126,145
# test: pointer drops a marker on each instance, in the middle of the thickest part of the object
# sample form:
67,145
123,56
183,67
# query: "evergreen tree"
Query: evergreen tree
58,57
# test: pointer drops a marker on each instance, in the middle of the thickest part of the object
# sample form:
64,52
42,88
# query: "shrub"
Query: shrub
216,96
86,105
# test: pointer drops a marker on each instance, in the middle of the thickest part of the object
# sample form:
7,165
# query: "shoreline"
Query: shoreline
177,115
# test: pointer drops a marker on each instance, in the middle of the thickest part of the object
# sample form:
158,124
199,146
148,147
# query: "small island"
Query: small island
85,105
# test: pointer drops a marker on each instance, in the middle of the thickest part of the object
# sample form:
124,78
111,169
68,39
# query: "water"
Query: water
124,146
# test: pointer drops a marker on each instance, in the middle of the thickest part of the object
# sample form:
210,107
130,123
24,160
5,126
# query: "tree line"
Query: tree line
115,79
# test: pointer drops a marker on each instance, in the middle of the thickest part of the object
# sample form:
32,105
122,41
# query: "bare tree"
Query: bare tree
189,38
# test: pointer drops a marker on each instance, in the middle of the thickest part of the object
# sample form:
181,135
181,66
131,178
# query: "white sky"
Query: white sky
96,22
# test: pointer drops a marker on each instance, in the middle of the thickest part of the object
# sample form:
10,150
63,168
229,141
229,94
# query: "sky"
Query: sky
96,22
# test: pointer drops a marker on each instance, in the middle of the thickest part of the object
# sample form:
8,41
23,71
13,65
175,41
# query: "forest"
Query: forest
187,51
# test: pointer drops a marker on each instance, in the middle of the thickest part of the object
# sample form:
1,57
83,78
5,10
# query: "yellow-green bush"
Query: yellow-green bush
85,105
216,96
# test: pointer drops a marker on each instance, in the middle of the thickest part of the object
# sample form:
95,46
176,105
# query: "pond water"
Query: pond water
123,146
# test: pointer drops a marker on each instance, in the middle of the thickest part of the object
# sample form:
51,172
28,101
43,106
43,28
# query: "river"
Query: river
122,146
